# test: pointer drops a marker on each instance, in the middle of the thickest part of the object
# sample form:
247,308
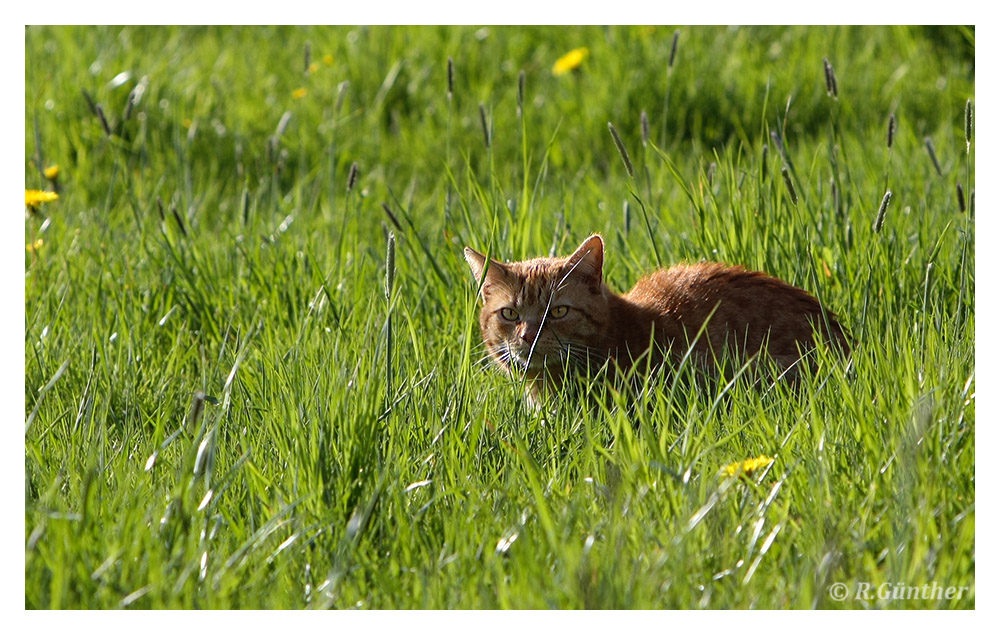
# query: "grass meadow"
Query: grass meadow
253,371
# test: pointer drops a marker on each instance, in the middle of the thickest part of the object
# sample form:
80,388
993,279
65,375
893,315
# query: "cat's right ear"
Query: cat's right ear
495,273
588,259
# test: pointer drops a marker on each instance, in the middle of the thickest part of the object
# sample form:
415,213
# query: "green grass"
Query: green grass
217,417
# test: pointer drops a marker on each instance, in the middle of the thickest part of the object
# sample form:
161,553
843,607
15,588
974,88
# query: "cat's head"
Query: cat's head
545,312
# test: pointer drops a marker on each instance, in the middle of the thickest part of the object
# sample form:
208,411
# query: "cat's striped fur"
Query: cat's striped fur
544,315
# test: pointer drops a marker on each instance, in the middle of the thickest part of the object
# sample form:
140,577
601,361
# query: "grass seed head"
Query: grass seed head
286,118
891,133
880,217
673,49
485,124
197,407
831,78
789,185
135,96
341,93
390,264
780,145
961,197
128,108
90,102
968,124
104,120
352,176
451,78
392,217
621,149
929,144
178,220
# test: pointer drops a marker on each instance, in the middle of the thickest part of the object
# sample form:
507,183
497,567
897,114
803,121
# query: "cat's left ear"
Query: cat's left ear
477,262
588,259
496,273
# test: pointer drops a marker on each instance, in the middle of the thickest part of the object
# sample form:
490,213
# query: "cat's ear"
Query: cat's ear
495,273
588,259
477,262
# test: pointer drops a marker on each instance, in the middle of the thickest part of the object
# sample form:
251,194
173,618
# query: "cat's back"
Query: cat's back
690,286
751,303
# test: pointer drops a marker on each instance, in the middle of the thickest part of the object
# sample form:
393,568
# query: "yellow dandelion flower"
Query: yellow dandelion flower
328,59
570,61
35,246
298,93
314,67
747,467
51,172
34,198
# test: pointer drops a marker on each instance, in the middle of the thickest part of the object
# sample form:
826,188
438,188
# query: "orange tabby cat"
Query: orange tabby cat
544,315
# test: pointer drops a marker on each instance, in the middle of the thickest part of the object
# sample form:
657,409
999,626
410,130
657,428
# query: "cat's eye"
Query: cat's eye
559,311
508,313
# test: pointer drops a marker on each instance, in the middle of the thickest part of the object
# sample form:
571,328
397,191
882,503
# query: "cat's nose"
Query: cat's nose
528,331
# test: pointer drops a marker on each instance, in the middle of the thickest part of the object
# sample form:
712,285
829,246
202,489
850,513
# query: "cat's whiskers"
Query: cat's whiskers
511,359
484,361
579,354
